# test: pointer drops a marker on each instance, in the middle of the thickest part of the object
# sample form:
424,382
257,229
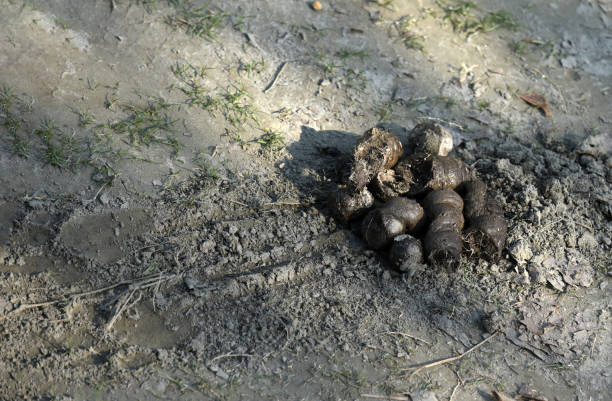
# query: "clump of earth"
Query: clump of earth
197,257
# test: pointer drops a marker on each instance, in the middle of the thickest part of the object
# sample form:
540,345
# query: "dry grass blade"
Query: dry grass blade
439,362
136,284
386,397
538,101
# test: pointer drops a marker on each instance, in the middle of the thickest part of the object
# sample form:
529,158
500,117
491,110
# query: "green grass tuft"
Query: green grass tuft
461,18
348,53
59,149
233,103
200,21
144,125
271,141
254,66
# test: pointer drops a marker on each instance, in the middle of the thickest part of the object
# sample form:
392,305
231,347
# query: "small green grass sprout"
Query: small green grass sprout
271,141
200,21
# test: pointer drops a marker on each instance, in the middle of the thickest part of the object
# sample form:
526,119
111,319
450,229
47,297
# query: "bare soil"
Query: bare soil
164,230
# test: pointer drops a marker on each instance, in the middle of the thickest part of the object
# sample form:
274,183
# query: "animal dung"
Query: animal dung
348,205
443,239
487,231
433,139
423,206
393,218
376,151
438,172
405,252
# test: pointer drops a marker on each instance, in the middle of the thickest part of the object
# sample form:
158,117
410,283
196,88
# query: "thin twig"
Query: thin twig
229,355
459,383
460,127
448,360
278,73
535,351
284,204
141,283
118,312
87,202
237,202
399,333
386,397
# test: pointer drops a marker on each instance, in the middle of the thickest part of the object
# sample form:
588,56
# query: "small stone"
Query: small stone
20,261
4,254
492,322
117,231
221,374
520,251
104,198
579,275
386,276
157,183
207,246
587,241
556,281
569,62
537,273
35,204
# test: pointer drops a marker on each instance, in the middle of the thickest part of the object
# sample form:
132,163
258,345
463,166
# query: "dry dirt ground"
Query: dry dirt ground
163,226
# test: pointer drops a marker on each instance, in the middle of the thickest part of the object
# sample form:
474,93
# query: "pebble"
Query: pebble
520,251
104,198
35,204
587,241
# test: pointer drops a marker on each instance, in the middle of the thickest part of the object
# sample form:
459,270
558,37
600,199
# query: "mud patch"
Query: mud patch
102,237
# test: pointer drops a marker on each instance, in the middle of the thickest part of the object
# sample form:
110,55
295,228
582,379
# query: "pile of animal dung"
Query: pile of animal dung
422,206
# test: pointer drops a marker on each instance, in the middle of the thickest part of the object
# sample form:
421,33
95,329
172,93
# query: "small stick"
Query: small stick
87,202
229,355
386,397
454,390
459,382
237,202
460,127
119,311
278,72
282,204
447,360
408,336
144,282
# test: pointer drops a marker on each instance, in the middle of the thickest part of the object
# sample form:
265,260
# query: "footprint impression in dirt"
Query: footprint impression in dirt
425,206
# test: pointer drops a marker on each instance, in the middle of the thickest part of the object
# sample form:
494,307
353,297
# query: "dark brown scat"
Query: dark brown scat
436,201
376,150
405,252
443,248
378,228
346,205
407,210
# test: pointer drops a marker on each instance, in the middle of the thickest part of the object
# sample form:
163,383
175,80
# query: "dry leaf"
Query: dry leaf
538,101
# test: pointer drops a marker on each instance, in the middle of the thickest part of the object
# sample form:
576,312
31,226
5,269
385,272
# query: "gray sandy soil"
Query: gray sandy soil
165,168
